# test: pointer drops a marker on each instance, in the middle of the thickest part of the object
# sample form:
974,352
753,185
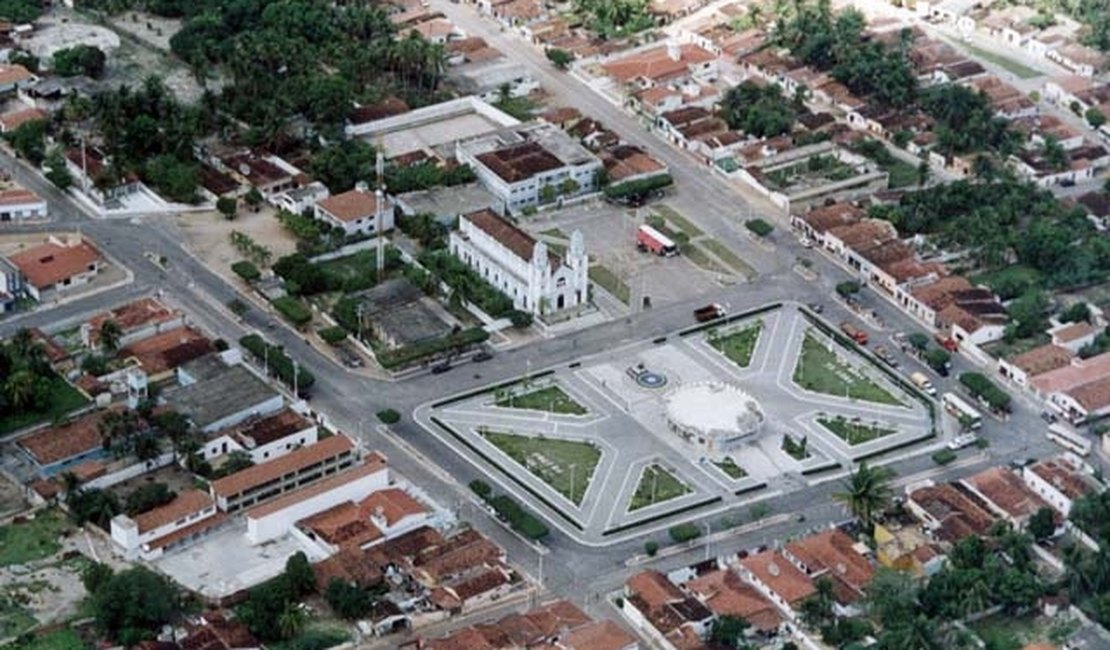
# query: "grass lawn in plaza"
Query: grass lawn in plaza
551,399
656,486
738,345
33,539
729,467
855,432
821,371
566,465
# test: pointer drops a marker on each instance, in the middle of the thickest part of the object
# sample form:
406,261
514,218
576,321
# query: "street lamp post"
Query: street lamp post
707,541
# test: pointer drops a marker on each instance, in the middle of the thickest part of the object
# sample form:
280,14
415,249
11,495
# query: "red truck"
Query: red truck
651,240
858,335
709,312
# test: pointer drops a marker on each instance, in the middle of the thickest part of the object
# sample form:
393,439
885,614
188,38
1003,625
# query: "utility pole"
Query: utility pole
379,200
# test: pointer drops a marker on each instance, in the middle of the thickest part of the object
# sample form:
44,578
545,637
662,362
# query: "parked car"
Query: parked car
886,356
816,307
482,355
441,368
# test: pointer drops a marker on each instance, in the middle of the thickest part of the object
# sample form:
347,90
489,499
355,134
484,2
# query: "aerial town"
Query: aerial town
554,324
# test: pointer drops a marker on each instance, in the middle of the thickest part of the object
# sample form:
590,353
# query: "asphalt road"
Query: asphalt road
351,400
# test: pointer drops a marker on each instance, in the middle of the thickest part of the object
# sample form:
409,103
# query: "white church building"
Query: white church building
537,280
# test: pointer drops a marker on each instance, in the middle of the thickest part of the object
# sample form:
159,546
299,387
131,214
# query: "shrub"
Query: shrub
332,335
937,359
293,310
481,488
389,416
520,319
759,227
246,270
279,363
985,389
944,456
848,288
651,548
518,518
684,532
638,188
560,58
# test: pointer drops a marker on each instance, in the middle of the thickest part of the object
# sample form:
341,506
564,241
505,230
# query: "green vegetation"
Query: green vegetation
315,636
656,486
986,390
272,610
651,548
729,467
278,362
80,60
132,605
466,284
638,189
759,227
966,121
20,11
867,492
566,465
246,270
796,449
27,140
700,259
902,174
847,288
1021,70
728,257
389,416
347,274
148,497
823,166
739,345
426,175
453,343
821,371
684,533
14,618
293,310
835,43
559,58
944,456
552,399
854,432
249,248
522,108
676,218
333,335
758,110
614,18
519,519
606,279
30,390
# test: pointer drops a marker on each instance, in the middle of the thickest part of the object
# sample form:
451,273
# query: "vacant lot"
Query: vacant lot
656,486
551,399
32,539
738,346
565,465
821,371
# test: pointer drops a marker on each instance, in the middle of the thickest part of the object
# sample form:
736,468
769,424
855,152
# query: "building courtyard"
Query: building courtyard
707,419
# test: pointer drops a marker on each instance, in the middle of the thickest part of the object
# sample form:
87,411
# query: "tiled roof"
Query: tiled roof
727,595
353,205
656,63
13,74
392,504
832,553
508,235
373,464
1065,476
780,576
1073,332
1007,491
282,424
132,316
654,588
342,525
292,462
1093,395
1043,359
518,162
55,444
12,120
18,196
838,214
458,554
168,350
50,263
1080,372
598,635
957,515
187,503
198,526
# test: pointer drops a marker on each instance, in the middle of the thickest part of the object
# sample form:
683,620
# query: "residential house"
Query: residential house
1006,494
1078,390
20,204
15,77
1061,480
357,212
779,579
1074,336
268,174
726,594
1097,206
1080,59
537,280
262,437
136,320
488,79
664,613
393,511
159,356
1022,368
11,285
834,556
904,547
54,449
95,175
12,120
218,391
672,63
947,512
300,200
951,304
58,265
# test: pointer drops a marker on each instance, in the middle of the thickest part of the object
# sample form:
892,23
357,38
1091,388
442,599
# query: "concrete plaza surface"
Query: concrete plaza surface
628,423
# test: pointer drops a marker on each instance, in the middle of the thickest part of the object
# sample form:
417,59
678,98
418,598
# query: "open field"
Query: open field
695,254
854,433
565,465
656,486
821,371
33,539
738,346
60,640
551,399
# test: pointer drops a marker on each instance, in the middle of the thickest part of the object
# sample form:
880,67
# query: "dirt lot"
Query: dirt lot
207,235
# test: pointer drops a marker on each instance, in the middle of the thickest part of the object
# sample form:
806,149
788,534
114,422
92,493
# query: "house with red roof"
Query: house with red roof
57,265
357,211
189,516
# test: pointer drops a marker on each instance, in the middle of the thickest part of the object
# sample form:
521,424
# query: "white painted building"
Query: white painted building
530,165
277,518
357,211
1061,480
300,199
18,204
148,535
263,438
537,280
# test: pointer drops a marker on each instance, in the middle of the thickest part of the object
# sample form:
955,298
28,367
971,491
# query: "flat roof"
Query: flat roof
448,202
432,126
412,323
215,398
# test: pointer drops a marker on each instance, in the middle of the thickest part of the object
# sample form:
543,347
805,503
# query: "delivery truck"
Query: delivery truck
709,312
857,335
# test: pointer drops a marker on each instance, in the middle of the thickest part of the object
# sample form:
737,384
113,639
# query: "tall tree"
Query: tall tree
110,334
867,492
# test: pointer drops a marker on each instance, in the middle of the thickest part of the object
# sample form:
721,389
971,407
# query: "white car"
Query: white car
807,242
963,440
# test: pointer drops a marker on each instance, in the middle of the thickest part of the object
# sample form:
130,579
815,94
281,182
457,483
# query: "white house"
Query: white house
18,204
263,438
190,515
11,285
301,199
537,280
57,265
1061,480
357,211
530,165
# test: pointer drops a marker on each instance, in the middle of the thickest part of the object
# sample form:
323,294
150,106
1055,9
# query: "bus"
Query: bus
1069,439
649,239
962,411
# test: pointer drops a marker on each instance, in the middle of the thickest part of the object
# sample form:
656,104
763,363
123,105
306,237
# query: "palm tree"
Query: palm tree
20,389
868,492
291,621
110,334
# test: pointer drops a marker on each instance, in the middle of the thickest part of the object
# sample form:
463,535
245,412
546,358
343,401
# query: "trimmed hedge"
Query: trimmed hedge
684,532
639,187
481,488
985,389
292,309
759,227
278,362
246,270
390,359
517,517
389,416
944,456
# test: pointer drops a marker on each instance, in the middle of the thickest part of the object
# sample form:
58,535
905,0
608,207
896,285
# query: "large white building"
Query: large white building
190,515
537,280
531,164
